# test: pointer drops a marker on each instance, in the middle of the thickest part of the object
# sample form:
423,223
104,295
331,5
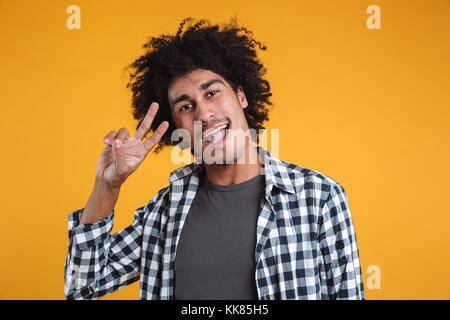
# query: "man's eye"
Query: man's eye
211,93
186,107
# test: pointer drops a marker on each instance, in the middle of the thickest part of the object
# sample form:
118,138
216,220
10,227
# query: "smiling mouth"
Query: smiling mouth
216,135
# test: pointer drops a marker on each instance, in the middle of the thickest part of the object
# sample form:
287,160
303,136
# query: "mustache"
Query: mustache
212,123
207,125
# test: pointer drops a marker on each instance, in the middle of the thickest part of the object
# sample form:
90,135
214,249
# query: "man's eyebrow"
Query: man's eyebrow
180,98
203,86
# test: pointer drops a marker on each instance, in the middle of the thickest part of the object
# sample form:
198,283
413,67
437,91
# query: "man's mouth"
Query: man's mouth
215,135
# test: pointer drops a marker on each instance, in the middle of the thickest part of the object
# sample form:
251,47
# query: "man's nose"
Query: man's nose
204,112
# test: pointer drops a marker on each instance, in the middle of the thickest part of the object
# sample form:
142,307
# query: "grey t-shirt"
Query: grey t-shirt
216,252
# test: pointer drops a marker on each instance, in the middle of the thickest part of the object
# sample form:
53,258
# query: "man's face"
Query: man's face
204,97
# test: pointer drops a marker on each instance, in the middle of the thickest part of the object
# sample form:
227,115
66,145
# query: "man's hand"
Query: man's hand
123,153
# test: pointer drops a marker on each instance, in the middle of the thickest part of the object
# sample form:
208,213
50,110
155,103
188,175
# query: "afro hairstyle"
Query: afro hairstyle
228,50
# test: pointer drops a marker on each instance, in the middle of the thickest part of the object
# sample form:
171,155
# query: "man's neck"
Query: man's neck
237,172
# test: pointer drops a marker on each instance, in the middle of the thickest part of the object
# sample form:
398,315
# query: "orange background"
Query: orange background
369,108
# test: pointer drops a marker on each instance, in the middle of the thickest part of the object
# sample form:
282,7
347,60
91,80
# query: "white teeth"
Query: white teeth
209,134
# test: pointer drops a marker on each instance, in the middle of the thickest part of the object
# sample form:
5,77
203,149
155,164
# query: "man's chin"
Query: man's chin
218,156
222,165
219,160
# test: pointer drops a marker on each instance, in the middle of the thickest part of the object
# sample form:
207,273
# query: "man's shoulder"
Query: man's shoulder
158,203
308,178
185,171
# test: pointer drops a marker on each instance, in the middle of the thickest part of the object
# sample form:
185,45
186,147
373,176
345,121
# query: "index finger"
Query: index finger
145,125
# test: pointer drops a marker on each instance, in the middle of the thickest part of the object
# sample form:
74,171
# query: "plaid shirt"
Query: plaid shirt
305,240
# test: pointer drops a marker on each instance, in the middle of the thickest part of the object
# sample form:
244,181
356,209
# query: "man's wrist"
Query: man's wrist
101,202
102,187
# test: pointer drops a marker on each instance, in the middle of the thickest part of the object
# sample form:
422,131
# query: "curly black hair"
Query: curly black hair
228,50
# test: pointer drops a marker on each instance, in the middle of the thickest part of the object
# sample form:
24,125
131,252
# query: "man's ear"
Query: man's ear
241,97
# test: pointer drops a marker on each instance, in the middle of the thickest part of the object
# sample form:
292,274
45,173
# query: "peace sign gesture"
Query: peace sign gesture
123,153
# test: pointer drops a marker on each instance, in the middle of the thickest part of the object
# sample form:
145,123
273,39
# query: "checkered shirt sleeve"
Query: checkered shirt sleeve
99,263
339,266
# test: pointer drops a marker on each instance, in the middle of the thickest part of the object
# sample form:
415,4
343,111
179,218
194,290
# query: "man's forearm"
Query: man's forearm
100,204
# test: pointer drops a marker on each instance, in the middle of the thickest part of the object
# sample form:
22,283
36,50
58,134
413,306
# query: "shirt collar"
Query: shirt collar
275,171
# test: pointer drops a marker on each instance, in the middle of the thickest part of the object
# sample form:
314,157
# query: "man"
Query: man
225,227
